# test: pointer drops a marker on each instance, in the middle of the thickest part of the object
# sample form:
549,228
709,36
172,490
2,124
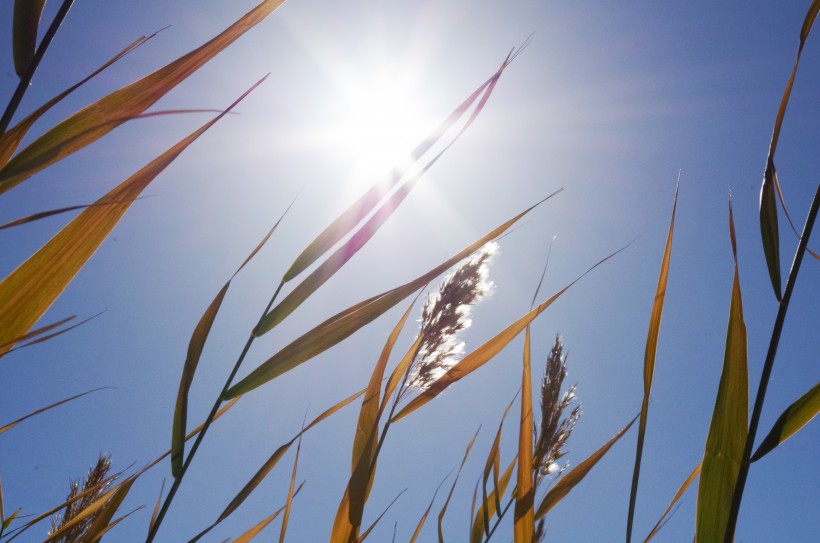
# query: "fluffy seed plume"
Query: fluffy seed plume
556,426
96,475
446,313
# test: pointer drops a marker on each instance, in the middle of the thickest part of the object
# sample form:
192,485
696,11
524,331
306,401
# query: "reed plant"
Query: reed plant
435,358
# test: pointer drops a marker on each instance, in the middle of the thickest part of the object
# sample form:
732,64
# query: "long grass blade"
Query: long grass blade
30,289
453,488
36,332
347,322
477,531
195,347
649,362
102,522
492,466
768,203
488,350
790,421
666,514
255,530
155,512
524,520
729,426
349,515
289,499
99,118
423,518
379,518
53,335
14,423
10,140
570,480
266,468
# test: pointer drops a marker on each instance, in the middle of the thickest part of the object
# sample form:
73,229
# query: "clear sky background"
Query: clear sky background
609,101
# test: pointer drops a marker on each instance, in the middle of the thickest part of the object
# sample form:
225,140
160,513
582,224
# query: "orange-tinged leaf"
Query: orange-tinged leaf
569,480
96,120
347,322
289,499
423,518
649,362
10,140
155,512
729,426
524,521
375,522
24,32
30,289
102,522
477,531
493,465
195,346
254,531
12,424
488,350
665,516
790,421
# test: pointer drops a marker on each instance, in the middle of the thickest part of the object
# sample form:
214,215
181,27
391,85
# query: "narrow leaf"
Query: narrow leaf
253,532
10,140
569,480
793,419
729,426
344,324
12,424
488,350
274,458
524,523
53,335
96,120
156,508
768,227
375,522
423,518
665,516
103,519
477,531
453,488
195,347
649,363
24,32
36,332
98,505
30,289
289,499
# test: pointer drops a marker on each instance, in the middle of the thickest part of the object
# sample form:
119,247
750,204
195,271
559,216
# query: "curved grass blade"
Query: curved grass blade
423,518
352,216
649,362
30,289
24,32
488,509
195,347
12,424
375,522
55,334
493,465
274,459
453,488
488,350
10,140
569,480
768,204
524,519
729,426
666,514
790,421
45,214
102,522
289,500
344,324
36,332
95,121
365,446
156,508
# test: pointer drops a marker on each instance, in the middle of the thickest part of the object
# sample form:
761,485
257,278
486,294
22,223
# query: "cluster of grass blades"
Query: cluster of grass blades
429,366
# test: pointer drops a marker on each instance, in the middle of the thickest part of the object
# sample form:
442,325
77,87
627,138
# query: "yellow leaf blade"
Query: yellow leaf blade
524,520
790,421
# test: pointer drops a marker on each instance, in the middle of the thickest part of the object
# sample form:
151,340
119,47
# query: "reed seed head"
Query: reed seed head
93,480
446,313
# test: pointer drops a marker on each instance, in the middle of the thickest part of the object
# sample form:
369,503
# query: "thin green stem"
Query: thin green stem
25,81
178,481
501,516
767,369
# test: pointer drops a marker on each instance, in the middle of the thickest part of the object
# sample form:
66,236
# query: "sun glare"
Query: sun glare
378,125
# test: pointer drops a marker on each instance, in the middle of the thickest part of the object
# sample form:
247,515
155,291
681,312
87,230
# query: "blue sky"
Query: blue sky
608,101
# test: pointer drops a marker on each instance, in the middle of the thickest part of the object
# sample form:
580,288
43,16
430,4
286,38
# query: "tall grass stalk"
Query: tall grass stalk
767,367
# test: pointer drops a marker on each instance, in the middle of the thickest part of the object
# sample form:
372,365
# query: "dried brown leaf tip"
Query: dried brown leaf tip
556,425
446,313
93,480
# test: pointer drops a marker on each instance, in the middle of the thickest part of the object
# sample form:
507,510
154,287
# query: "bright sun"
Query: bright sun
378,125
